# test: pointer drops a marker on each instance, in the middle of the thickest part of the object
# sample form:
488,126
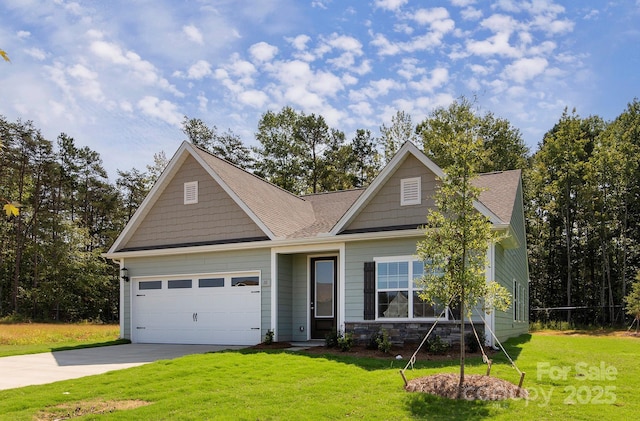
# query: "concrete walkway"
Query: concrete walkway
49,367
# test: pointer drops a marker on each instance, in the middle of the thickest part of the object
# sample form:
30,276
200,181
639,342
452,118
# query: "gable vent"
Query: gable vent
190,192
410,193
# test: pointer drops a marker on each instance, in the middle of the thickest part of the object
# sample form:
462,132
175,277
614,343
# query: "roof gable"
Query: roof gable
407,150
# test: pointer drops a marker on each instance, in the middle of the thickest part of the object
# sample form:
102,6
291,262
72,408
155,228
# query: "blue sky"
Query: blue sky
119,76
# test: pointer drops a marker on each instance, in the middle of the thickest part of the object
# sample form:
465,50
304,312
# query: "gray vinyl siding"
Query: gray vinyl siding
216,217
365,251
384,209
285,296
512,264
204,263
359,252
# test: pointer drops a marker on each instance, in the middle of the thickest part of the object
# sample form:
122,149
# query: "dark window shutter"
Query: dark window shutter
369,290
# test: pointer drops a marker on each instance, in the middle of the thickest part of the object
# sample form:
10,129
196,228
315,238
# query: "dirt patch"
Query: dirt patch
67,411
475,387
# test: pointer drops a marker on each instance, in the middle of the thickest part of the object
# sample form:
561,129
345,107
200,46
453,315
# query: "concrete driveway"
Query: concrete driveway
49,367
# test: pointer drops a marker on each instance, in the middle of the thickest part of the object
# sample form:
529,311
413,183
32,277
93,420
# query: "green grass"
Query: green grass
276,385
33,338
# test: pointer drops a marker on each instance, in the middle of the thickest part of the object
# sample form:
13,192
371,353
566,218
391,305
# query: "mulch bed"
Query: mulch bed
475,387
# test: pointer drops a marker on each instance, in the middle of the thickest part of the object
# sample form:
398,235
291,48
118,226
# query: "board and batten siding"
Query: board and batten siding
300,313
384,209
285,296
216,217
512,264
203,263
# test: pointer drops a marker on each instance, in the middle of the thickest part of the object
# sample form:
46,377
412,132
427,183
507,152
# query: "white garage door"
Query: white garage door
221,309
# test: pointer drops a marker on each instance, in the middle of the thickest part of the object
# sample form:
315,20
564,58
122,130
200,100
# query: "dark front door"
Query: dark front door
323,296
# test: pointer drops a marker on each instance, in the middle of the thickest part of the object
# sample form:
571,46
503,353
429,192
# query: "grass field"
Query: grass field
32,338
578,377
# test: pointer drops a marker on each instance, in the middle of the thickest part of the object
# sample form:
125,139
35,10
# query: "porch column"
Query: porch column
274,294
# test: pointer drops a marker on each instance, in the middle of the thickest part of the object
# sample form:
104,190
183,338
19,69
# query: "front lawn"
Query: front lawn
568,377
33,338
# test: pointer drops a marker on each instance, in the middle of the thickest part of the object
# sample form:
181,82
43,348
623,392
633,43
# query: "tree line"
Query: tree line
582,201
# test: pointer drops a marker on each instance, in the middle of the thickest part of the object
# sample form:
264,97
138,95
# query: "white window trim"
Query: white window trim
416,197
410,290
190,192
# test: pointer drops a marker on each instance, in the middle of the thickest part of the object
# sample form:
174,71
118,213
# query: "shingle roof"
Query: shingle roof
291,216
499,192
281,211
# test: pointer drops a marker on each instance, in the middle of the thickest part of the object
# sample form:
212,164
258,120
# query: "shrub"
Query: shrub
345,342
383,342
331,339
437,346
268,339
472,343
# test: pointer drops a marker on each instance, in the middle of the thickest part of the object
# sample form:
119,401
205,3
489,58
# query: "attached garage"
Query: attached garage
218,308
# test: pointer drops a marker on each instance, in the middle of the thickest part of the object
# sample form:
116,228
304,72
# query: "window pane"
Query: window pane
324,288
245,281
425,309
150,285
182,283
393,304
211,283
454,312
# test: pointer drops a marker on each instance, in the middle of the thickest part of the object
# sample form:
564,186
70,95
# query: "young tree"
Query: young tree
455,246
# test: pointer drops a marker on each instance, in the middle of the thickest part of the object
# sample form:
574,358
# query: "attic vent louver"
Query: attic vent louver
410,193
190,192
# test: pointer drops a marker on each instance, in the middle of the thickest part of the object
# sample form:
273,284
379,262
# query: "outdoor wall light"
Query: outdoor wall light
124,274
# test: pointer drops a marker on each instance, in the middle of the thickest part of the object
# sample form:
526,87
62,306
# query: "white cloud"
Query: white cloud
390,4
253,98
299,42
438,78
23,34
346,43
495,45
525,69
36,53
361,108
462,3
409,68
193,34
471,13
199,70
262,52
141,69
160,109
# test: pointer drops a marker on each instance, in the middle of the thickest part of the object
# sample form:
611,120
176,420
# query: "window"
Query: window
410,191
191,193
245,281
180,283
150,285
397,294
211,283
